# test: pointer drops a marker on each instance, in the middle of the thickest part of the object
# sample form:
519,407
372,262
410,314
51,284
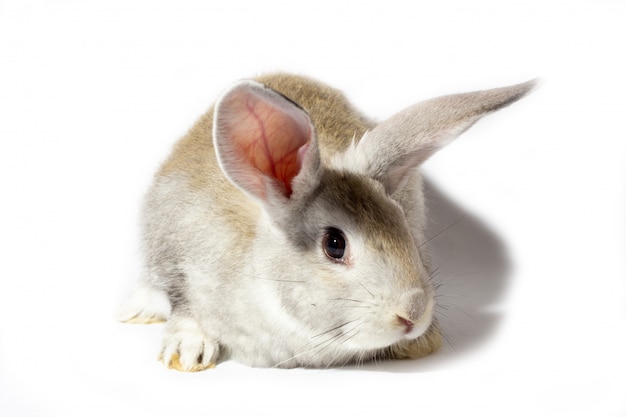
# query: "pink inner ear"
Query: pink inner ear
272,138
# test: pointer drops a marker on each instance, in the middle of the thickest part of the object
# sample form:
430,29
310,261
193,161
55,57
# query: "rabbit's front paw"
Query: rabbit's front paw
147,305
186,348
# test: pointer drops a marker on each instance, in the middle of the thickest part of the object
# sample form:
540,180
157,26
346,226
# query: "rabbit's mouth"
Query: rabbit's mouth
416,329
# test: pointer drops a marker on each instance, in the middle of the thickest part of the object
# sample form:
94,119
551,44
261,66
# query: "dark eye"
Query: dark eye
334,244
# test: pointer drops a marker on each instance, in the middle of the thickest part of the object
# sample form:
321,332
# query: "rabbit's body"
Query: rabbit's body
245,222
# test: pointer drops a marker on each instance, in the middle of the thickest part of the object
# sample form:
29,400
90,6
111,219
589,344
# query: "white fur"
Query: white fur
146,305
352,159
186,343
244,274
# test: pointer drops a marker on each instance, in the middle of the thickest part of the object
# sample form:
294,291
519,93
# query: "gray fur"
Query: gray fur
238,251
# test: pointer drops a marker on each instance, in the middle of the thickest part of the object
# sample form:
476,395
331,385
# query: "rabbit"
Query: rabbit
286,229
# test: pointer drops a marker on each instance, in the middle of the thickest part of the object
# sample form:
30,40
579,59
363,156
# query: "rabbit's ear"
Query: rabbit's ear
392,149
263,141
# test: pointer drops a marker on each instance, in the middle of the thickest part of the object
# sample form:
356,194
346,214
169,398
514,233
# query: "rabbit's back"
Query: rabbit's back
336,121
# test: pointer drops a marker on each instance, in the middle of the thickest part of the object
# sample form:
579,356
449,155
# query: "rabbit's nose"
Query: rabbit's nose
413,302
413,305
407,323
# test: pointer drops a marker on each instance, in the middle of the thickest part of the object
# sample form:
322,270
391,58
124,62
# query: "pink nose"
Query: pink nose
408,324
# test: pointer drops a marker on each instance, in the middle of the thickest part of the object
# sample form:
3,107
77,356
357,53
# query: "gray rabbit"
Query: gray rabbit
286,229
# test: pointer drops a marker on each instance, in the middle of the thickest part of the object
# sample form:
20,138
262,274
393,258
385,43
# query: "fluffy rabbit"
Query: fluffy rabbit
286,229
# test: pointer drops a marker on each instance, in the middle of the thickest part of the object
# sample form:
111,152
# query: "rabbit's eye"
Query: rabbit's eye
334,244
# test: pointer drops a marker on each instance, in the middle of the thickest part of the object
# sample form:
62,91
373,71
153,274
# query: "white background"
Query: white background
93,95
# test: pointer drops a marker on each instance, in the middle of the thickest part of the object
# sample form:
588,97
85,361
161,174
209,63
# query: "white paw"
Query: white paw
185,347
146,305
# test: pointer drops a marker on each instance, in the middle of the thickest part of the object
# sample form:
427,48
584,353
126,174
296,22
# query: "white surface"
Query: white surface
93,94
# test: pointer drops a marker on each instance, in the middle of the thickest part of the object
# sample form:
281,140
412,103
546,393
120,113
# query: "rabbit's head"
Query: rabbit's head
341,238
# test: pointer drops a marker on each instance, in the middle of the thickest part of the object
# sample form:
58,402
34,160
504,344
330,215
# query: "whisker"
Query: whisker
348,338
445,311
443,231
353,300
370,293
434,273
343,338
337,340
366,307
462,274
440,313
323,346
446,302
441,298
467,314
448,340
438,281
334,328
281,280
328,343
277,365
